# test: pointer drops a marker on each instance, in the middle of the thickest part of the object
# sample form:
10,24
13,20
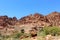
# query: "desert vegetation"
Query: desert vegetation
38,34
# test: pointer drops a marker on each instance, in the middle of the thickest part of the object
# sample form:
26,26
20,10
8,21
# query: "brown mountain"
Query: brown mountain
8,24
5,21
37,19
53,19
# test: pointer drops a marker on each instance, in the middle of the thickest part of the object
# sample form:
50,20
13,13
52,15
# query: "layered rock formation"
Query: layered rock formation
35,20
6,21
53,19
8,24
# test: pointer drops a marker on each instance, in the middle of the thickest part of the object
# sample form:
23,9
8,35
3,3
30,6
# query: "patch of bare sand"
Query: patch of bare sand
33,38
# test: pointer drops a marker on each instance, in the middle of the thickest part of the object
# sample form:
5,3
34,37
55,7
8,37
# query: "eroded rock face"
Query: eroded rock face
52,19
5,21
35,20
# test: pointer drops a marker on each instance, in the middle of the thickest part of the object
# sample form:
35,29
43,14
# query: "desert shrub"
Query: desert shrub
52,30
41,32
22,31
17,35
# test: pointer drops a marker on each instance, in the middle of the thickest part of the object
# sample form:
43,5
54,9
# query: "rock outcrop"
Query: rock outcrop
5,21
35,20
52,19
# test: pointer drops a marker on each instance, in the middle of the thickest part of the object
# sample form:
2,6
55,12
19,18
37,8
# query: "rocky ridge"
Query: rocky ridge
8,24
52,19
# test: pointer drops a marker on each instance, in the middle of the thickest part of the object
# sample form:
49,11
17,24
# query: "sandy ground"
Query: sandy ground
41,38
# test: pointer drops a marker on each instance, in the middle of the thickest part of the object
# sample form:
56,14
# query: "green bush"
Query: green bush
52,30
17,35
22,31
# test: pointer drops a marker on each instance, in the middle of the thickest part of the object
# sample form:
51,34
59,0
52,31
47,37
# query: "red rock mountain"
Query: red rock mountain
53,19
8,25
5,21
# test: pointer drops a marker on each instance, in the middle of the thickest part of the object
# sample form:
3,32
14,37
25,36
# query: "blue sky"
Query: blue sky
20,8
